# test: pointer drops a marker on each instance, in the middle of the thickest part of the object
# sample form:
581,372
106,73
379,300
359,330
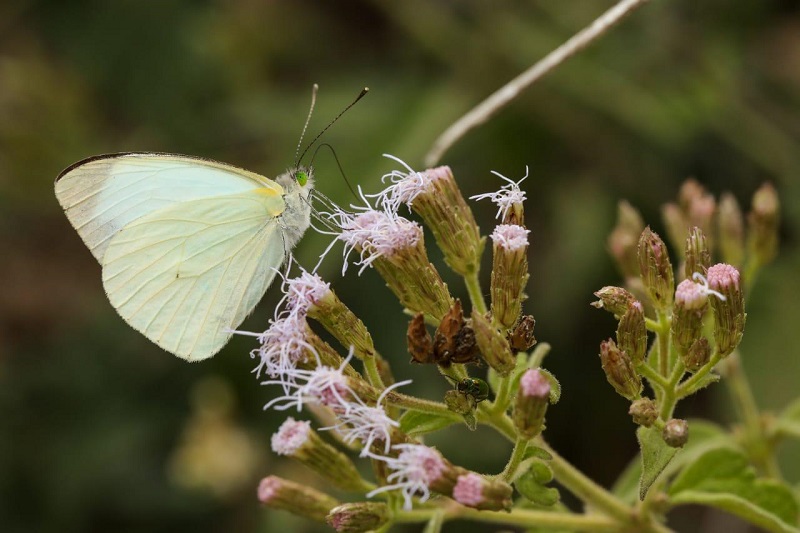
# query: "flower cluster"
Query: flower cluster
708,298
362,408
675,325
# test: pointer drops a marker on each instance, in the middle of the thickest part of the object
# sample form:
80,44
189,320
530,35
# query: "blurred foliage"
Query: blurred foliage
94,419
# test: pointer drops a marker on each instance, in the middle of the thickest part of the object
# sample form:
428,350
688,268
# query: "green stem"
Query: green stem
475,293
418,404
689,386
756,441
663,343
652,376
517,517
670,396
584,488
652,325
500,403
509,472
373,375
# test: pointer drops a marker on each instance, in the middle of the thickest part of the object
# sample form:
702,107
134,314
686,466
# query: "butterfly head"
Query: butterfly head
298,180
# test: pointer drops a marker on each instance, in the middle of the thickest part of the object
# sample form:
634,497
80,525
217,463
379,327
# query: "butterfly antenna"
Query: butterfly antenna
361,95
338,164
314,90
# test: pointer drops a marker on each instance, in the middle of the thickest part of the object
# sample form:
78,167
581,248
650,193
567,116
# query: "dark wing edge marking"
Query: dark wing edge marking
118,155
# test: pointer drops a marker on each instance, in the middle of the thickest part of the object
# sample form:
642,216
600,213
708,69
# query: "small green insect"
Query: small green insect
474,387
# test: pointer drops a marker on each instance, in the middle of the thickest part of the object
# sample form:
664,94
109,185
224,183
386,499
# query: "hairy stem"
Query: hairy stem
518,517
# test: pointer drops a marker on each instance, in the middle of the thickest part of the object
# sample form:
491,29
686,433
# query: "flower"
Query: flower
284,345
324,384
434,196
367,424
416,468
509,197
304,291
291,436
405,186
377,234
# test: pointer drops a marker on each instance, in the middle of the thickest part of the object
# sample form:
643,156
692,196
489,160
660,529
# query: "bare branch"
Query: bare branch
500,98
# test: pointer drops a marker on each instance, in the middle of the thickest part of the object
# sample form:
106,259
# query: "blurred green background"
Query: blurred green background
102,431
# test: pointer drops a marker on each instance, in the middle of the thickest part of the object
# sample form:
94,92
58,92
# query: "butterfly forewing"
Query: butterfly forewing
102,195
186,274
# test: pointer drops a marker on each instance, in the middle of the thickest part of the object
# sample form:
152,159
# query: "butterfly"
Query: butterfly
188,245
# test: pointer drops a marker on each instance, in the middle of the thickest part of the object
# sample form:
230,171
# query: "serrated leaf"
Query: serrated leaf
789,420
418,423
536,492
703,436
656,455
723,478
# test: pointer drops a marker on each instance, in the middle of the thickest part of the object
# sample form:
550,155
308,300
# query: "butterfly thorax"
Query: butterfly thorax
296,218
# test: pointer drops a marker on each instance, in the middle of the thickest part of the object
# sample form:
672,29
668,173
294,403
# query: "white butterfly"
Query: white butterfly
188,246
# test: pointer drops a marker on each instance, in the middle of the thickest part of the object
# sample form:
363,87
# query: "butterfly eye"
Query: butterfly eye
302,178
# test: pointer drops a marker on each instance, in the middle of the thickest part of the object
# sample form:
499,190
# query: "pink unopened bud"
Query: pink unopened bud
509,273
620,371
763,224
729,315
297,440
697,254
474,490
531,403
676,433
644,412
691,302
656,269
615,300
301,500
622,243
731,230
632,333
358,517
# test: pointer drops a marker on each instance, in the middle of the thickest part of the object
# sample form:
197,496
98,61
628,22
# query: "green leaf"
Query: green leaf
703,382
535,491
703,436
656,455
555,386
723,478
534,451
471,421
419,423
789,420
541,472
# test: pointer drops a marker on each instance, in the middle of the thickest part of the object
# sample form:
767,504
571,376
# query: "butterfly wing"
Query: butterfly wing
103,194
186,274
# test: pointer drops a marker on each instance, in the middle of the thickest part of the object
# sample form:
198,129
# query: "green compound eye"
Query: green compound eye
477,388
301,177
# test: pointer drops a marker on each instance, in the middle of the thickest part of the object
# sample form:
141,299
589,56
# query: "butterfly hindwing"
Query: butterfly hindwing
186,274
